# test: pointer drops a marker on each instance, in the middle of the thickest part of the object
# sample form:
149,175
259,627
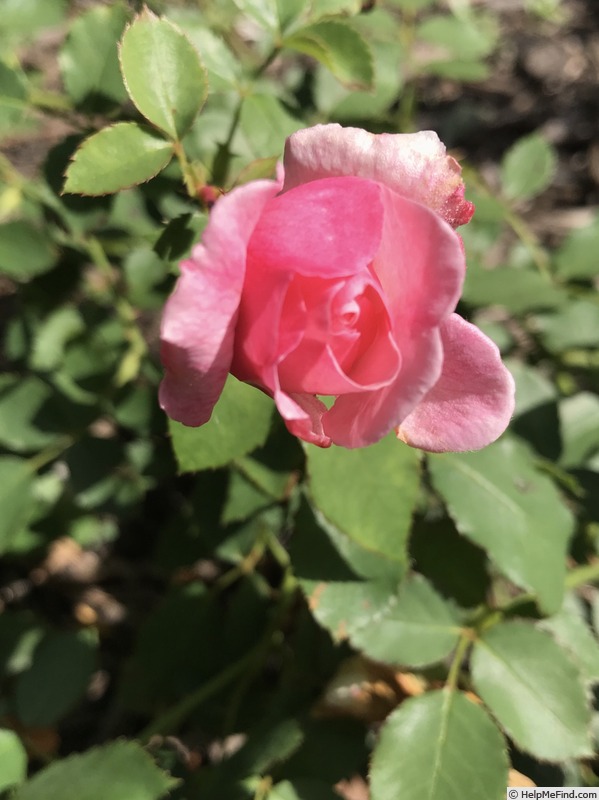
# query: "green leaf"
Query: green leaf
533,690
536,413
499,500
576,325
439,746
578,256
240,422
52,336
29,420
58,677
528,167
222,67
416,628
25,17
14,107
115,158
330,8
263,126
467,38
163,73
579,421
518,290
570,629
341,103
13,759
443,556
117,771
20,633
346,584
340,48
24,251
264,12
16,485
369,493
89,59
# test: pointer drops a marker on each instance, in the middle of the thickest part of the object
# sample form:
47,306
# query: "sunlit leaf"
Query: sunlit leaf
117,157
439,746
163,73
534,691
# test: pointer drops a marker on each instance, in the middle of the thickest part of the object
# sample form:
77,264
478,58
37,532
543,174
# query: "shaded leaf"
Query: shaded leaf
528,167
89,58
439,746
163,73
499,500
346,584
571,630
369,493
578,255
340,48
264,125
534,691
240,422
579,421
576,325
57,678
117,771
24,251
16,486
417,627
117,157
518,290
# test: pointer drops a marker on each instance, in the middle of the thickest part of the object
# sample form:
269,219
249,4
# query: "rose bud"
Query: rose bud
341,282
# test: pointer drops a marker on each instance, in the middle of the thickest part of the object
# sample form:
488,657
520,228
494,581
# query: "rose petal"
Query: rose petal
421,267
415,165
302,414
327,229
473,400
198,323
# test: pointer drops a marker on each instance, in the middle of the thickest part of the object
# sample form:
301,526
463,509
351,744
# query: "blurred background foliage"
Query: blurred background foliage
220,612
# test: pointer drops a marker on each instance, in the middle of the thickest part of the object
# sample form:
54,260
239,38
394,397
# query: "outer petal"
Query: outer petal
303,416
415,165
473,400
199,319
329,229
421,267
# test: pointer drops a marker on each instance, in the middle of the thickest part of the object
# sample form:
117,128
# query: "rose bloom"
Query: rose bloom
341,281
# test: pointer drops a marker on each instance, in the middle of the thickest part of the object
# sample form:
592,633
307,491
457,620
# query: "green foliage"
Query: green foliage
534,690
89,58
119,771
116,158
13,760
340,48
228,435
527,168
268,619
528,532
368,493
440,746
163,74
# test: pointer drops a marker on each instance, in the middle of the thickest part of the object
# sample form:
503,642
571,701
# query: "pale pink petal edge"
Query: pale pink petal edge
471,404
198,323
414,165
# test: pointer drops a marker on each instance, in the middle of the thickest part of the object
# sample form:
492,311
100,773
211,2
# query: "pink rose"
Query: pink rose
341,282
